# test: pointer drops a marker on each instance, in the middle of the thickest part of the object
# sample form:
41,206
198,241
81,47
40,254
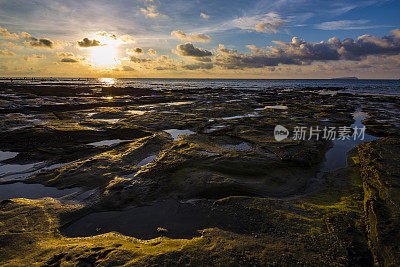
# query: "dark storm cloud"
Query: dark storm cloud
231,59
367,45
300,52
44,42
189,50
86,42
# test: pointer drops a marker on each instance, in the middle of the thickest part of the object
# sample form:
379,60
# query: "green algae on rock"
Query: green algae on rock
259,197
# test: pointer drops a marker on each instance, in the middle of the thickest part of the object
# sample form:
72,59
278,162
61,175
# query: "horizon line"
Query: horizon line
193,78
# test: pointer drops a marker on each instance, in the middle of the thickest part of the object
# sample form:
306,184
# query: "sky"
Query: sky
200,38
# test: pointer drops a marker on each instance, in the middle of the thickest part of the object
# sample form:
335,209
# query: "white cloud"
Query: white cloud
204,16
151,52
4,32
191,37
6,53
267,23
344,25
151,12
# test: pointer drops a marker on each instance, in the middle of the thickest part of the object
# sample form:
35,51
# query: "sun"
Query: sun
104,55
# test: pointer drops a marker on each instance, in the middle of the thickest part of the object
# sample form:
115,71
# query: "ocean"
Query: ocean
361,86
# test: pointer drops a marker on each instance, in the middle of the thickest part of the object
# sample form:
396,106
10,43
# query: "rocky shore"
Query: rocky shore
177,177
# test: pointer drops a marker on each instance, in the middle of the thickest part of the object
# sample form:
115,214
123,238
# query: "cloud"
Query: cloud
41,43
267,23
34,57
135,51
106,34
11,45
196,66
127,38
191,37
4,32
68,57
231,59
204,16
343,25
65,54
189,50
42,56
86,42
164,68
69,60
151,52
162,62
21,35
366,45
127,68
268,27
27,39
7,53
370,63
396,33
139,60
300,52
151,12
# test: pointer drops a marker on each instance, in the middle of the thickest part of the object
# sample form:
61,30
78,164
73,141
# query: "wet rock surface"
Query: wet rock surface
196,177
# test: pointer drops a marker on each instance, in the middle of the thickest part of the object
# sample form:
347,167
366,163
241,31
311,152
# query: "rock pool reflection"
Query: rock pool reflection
31,191
336,156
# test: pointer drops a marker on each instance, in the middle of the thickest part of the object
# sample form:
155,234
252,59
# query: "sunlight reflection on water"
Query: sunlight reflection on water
107,81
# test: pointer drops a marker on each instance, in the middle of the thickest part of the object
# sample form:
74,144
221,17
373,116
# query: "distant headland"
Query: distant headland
345,78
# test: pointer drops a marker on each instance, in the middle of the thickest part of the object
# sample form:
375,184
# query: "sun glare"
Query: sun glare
104,56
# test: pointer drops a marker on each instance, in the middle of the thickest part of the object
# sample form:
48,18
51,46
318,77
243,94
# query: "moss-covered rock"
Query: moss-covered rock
380,173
